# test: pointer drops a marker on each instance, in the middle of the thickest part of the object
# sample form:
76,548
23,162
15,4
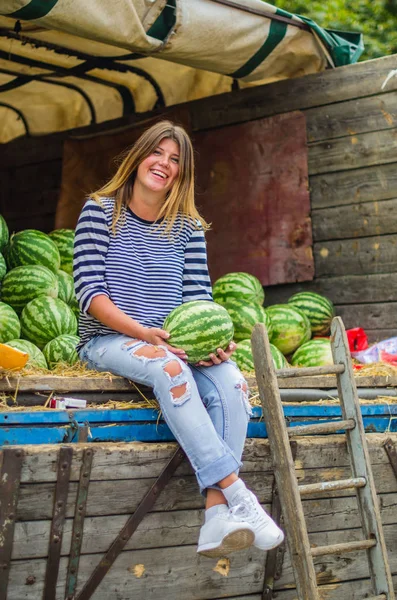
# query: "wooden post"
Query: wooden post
284,470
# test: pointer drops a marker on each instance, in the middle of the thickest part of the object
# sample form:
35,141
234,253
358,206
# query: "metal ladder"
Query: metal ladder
290,492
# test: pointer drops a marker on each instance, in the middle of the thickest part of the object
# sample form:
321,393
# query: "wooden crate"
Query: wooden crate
160,559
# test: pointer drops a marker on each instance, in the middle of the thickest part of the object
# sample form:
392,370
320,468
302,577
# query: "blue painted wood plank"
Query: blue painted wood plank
51,416
148,432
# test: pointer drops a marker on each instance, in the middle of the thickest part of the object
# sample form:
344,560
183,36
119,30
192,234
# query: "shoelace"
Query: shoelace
247,510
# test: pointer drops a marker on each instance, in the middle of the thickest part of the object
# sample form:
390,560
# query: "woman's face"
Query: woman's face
160,169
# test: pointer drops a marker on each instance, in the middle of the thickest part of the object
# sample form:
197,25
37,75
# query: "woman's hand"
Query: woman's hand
220,356
158,337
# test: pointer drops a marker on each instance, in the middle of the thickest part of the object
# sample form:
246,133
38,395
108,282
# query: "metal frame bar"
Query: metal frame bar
10,481
125,93
21,79
78,524
20,115
58,519
93,62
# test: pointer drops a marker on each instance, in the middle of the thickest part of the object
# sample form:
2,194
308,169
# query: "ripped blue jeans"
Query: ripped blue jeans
206,408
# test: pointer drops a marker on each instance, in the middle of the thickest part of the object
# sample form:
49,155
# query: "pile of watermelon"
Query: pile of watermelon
297,330
38,307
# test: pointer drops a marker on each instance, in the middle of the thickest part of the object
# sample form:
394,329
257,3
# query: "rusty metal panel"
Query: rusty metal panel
252,185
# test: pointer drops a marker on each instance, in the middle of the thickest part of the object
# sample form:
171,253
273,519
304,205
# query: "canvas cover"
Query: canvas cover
70,63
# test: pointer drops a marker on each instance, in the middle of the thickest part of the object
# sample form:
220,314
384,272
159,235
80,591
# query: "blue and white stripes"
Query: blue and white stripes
144,273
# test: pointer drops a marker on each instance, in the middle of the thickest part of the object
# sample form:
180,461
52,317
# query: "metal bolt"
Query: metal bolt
73,570
59,503
11,516
77,535
56,539
64,465
30,580
18,453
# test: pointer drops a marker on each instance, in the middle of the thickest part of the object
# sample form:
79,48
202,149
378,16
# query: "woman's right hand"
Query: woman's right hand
158,337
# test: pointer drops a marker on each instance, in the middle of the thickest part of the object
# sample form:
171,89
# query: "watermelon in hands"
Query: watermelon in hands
199,327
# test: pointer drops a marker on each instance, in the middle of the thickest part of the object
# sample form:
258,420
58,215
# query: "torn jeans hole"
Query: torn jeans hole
177,381
243,386
133,346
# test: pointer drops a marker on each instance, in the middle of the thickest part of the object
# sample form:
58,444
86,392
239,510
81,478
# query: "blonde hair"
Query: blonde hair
179,200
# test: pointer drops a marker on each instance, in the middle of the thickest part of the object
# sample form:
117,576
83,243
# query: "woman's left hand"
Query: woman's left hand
220,356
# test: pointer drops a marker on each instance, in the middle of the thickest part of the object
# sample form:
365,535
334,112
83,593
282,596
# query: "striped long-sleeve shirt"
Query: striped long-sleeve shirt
144,273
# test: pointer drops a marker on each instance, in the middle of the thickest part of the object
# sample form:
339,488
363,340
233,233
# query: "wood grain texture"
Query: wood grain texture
375,316
139,460
180,528
354,185
352,152
355,220
361,256
343,289
351,117
321,89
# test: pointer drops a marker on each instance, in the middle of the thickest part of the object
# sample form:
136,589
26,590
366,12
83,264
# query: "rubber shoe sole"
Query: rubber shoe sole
237,540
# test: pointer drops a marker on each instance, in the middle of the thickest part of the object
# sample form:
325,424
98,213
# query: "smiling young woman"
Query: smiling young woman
139,253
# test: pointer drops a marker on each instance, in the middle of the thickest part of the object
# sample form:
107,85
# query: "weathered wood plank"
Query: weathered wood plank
355,220
162,574
351,117
80,384
343,83
343,289
352,152
111,498
179,528
377,254
138,460
345,187
370,316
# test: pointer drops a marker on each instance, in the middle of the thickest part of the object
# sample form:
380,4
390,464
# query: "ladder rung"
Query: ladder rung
330,486
344,547
307,371
318,428
380,597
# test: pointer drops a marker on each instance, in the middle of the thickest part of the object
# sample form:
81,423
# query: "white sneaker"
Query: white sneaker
247,508
224,533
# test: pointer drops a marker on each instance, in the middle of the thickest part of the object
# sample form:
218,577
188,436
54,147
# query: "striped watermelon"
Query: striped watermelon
64,239
36,357
32,247
3,267
23,284
245,361
314,353
4,233
65,286
318,309
291,327
74,305
245,316
61,349
45,318
10,326
200,328
243,286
